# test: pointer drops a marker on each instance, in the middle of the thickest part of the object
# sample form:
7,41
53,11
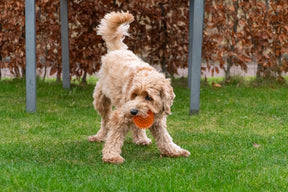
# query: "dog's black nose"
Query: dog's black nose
134,111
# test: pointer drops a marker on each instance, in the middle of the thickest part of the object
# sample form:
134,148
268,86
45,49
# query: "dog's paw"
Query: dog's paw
185,153
181,153
94,138
143,142
177,153
113,159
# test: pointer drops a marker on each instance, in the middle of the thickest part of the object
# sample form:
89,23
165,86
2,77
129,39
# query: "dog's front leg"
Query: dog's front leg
165,142
117,130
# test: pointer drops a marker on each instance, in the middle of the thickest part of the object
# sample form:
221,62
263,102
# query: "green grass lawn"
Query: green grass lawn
238,142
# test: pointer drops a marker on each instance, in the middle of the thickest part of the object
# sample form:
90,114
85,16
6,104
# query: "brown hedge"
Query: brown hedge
236,32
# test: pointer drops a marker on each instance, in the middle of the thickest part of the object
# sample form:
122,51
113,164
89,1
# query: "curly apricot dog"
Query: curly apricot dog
133,87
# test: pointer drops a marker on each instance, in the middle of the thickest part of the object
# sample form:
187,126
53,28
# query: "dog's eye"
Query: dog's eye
134,95
148,98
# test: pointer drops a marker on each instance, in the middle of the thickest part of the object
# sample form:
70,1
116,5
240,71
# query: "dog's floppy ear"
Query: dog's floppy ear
167,97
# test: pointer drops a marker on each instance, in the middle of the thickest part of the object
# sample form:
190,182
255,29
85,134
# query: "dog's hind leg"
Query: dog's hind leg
139,136
164,141
104,107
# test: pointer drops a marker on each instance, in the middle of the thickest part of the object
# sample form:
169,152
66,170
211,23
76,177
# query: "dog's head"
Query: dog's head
149,91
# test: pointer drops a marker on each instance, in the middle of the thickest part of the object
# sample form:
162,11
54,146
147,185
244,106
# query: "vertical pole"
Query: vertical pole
195,47
65,43
191,15
30,40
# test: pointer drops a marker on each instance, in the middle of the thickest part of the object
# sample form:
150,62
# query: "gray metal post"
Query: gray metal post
65,43
195,48
30,40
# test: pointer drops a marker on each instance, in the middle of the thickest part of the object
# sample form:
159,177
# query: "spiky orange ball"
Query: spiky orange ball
144,123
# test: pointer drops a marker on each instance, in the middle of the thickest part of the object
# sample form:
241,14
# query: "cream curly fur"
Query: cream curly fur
128,83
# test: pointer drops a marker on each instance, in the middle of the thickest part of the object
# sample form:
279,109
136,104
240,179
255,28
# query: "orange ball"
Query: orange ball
144,123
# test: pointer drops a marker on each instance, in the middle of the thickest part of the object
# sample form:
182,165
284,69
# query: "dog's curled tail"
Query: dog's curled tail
113,28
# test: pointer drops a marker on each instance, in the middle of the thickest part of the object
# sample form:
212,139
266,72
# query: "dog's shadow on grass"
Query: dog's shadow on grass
130,151
85,152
